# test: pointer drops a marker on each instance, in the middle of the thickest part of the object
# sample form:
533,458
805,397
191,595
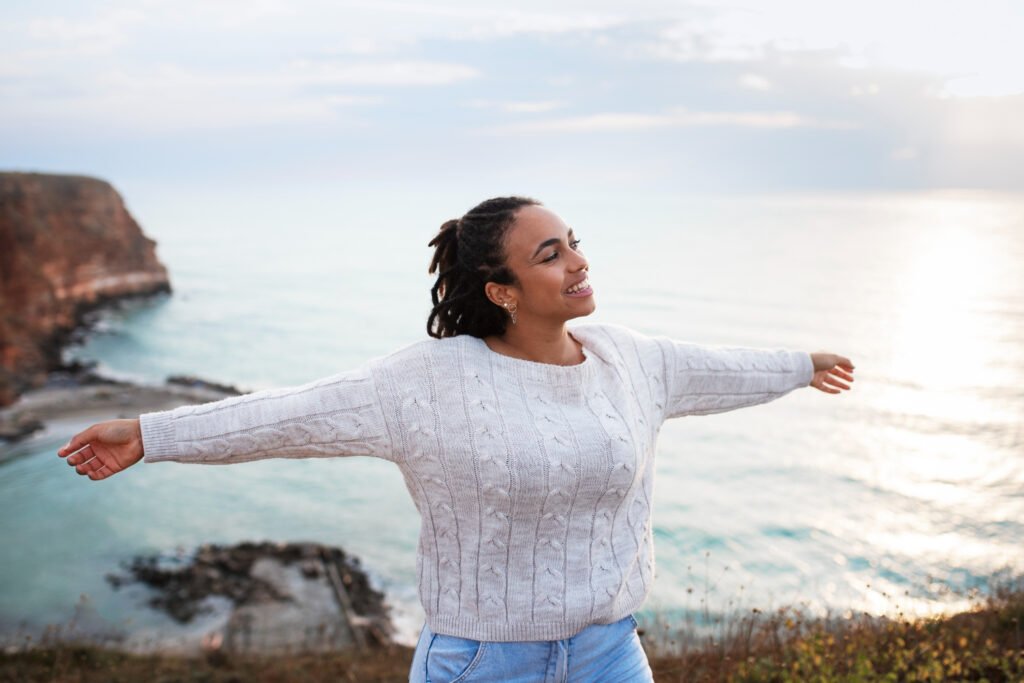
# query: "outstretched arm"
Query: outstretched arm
337,416
701,380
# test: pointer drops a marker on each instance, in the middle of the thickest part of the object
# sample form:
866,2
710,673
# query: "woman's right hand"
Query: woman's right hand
104,449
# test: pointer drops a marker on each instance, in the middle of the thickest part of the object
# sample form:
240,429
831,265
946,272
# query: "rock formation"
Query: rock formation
285,596
67,245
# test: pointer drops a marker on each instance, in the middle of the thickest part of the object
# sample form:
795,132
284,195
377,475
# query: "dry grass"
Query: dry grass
90,664
983,644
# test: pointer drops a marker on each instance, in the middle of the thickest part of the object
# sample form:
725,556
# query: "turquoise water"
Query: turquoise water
898,496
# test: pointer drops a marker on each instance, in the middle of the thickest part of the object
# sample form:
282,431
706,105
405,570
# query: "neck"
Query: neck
538,342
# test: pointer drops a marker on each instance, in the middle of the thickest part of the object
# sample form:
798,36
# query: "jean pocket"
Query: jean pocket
451,659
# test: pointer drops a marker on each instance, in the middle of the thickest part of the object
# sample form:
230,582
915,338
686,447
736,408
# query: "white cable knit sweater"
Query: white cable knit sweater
533,481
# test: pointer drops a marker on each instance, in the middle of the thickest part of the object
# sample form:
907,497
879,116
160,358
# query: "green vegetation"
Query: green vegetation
983,644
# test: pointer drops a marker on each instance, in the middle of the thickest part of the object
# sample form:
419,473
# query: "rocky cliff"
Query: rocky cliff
67,245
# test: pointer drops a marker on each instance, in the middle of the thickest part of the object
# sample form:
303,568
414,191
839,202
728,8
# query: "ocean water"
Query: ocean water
900,496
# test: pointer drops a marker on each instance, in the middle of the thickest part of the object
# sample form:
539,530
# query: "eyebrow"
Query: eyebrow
549,242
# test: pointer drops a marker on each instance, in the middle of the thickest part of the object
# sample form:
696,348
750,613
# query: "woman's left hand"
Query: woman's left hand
829,369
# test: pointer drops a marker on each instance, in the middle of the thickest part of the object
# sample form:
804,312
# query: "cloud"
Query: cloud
352,100
387,68
512,22
699,39
394,73
172,97
521,107
584,124
985,123
531,107
675,118
754,82
867,90
974,57
107,31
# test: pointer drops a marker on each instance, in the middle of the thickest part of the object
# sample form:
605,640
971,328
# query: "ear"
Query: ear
500,294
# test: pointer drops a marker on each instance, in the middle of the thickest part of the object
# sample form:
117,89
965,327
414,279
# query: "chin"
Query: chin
585,312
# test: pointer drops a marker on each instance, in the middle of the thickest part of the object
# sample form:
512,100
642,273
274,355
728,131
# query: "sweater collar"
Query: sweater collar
544,373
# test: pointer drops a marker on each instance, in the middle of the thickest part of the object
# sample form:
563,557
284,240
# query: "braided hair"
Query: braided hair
469,252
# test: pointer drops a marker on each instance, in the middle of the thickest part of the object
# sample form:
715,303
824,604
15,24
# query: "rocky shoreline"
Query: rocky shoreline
284,596
251,597
69,249
76,391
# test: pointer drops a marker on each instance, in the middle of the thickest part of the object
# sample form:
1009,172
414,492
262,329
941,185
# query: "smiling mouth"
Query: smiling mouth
579,287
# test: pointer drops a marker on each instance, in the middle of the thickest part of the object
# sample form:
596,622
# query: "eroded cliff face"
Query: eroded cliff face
67,245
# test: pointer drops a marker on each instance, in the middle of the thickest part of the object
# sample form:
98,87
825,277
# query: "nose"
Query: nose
580,262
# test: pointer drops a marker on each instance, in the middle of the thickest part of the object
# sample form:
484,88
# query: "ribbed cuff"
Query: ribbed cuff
805,367
157,437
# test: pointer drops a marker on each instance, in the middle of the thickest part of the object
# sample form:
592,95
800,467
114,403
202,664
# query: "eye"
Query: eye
573,244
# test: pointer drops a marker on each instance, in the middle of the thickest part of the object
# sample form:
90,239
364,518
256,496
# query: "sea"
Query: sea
904,495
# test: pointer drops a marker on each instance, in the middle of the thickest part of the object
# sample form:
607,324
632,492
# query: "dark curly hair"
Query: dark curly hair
469,252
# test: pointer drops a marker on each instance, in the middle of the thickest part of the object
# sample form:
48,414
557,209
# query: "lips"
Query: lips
579,288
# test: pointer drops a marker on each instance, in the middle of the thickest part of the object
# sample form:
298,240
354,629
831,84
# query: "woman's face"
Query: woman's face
551,272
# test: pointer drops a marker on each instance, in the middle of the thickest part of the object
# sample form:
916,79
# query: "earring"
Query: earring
511,310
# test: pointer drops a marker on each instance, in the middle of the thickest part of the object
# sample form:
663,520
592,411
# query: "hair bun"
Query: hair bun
469,252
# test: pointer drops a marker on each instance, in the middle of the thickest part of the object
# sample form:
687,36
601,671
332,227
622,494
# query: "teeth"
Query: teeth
578,287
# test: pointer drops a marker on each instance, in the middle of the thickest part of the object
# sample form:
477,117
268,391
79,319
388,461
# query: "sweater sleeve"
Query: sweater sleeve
339,415
700,380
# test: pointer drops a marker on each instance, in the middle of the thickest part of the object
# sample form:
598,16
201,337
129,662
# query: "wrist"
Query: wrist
136,428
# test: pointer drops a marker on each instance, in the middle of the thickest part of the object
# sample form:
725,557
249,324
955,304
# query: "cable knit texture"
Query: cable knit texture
533,481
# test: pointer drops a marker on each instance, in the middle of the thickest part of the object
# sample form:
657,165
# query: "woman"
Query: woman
527,447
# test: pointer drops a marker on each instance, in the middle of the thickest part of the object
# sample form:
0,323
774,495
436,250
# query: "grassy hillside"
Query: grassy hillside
984,644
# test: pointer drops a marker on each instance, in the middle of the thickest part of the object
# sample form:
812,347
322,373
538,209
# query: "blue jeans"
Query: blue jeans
600,652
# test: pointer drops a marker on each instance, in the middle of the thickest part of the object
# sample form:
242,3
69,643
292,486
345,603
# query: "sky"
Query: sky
787,95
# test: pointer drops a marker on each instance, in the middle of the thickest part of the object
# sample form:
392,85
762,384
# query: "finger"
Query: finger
83,454
836,383
78,441
820,386
75,452
839,372
844,362
90,466
101,473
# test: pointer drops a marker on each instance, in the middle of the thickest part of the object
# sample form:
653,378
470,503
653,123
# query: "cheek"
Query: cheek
543,288
542,284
